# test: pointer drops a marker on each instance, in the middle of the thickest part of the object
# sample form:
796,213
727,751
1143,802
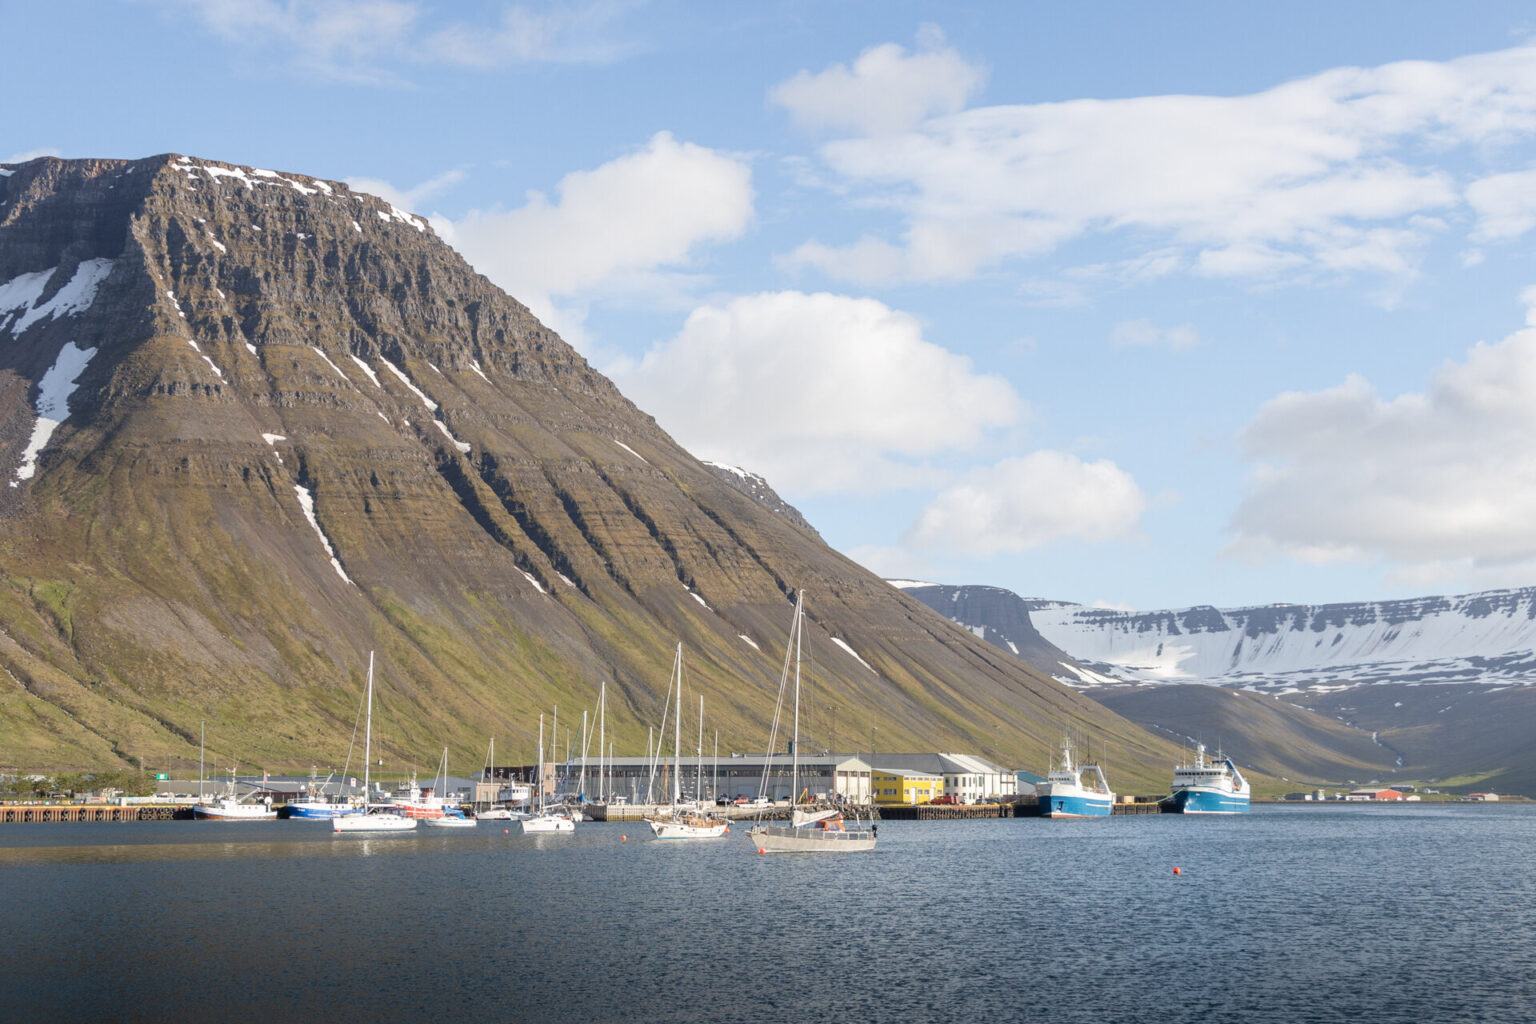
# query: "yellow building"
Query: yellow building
901,786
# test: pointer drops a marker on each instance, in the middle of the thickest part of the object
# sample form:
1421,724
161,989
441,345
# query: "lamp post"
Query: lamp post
872,730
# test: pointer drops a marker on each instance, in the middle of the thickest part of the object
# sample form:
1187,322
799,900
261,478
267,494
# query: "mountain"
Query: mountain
756,488
1436,689
1473,638
1001,618
255,425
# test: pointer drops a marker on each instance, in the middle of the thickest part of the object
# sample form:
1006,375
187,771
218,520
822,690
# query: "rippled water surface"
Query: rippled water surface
1291,914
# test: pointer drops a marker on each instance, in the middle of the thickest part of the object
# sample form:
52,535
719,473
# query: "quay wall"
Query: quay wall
18,814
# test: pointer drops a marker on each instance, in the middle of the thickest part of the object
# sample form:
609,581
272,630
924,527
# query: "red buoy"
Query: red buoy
1177,871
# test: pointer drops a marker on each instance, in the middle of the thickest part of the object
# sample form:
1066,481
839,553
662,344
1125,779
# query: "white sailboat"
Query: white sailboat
546,819
810,830
683,821
371,820
451,816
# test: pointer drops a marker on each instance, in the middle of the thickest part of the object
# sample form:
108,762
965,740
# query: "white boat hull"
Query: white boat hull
783,839
548,823
373,823
449,821
228,810
668,828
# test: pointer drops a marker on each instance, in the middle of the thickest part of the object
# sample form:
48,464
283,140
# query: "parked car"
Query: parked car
947,798
742,801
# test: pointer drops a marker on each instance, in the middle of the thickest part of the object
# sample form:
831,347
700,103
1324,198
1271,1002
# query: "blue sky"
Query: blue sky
1142,305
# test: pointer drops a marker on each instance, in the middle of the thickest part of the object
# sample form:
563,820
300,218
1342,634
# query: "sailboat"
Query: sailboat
683,821
546,819
506,796
809,831
450,816
369,821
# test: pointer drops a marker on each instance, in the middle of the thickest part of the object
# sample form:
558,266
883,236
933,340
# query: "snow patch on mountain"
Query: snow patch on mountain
53,404
1488,637
19,296
307,504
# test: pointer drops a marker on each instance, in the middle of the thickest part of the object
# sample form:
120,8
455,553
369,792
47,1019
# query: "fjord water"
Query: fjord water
1295,914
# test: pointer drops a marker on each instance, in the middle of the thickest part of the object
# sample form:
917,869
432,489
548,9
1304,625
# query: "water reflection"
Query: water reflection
1310,915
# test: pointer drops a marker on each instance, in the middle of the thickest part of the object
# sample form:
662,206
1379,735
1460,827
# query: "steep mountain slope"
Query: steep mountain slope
1269,735
1001,618
1432,689
255,425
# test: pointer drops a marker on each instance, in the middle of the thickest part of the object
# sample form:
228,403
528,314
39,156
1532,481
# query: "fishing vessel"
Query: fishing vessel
228,807
680,820
1209,787
809,830
231,808
316,804
1066,794
380,819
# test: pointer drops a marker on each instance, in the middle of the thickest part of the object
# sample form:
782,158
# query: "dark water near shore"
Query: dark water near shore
1294,914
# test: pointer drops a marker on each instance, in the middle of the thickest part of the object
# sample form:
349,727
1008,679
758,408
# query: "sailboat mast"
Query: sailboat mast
602,749
538,769
677,730
794,747
202,735
368,732
698,773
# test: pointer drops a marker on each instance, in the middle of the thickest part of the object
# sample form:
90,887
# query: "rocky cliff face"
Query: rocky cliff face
255,425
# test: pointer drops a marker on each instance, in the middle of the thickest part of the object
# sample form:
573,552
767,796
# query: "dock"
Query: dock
37,813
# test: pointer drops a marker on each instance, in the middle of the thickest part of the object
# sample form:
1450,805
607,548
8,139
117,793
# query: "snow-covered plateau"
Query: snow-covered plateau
1488,637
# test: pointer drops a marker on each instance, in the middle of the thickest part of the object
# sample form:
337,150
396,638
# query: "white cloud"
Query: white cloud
1505,205
892,563
1429,482
565,33
1332,174
629,226
372,41
1024,503
1141,334
347,40
887,90
818,393
411,199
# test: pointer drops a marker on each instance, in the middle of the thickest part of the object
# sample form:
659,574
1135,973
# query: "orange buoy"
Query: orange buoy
506,832
623,839
1177,871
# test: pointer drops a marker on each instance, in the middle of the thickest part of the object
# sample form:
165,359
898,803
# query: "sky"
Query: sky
1134,305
